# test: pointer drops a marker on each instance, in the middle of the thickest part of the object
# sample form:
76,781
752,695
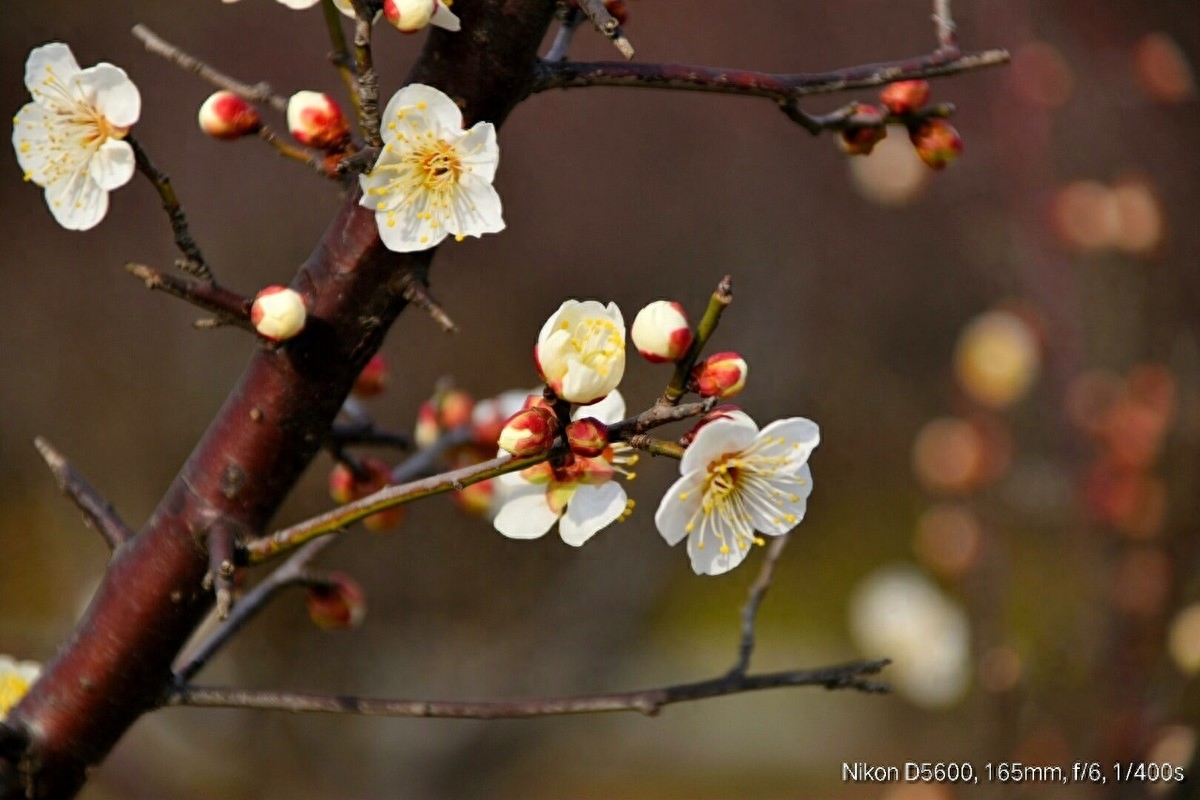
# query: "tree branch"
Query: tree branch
720,300
607,25
758,590
230,307
98,512
647,701
193,259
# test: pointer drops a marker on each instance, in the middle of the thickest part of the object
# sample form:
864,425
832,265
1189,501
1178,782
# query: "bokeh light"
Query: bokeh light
1162,69
949,540
1141,582
949,455
997,358
1041,76
1000,669
1183,642
893,174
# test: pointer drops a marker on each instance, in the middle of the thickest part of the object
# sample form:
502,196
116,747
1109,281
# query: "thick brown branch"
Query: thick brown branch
98,512
646,701
781,88
230,307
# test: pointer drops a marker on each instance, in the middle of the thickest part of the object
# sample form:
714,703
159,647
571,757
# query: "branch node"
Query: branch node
98,512
417,293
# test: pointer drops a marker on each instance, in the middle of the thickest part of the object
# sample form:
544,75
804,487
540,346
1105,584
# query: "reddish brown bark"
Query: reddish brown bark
116,665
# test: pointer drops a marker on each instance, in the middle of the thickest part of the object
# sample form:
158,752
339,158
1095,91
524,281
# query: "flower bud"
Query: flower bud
316,120
719,412
278,313
661,332
346,487
336,604
529,432
905,97
454,409
476,499
587,437
427,430
373,378
410,16
859,137
721,375
937,143
224,115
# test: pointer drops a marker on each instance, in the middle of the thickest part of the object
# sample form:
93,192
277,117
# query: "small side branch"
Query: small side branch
854,676
339,54
98,512
943,23
417,293
368,80
607,24
720,300
758,590
781,88
193,260
256,93
230,307
222,541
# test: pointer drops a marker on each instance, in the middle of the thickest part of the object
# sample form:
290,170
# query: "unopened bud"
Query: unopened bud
729,412
427,430
373,378
721,375
937,143
278,313
529,432
410,16
661,332
224,115
587,437
905,97
316,120
454,409
346,487
866,130
336,604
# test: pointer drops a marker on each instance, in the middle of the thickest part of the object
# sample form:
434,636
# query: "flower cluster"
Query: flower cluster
408,16
935,140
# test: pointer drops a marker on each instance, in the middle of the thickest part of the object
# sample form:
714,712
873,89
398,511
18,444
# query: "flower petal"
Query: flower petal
112,165
788,506
555,322
77,202
679,506
479,151
477,207
443,17
53,58
591,508
408,233
609,409
525,515
709,560
31,140
438,110
799,437
110,91
714,440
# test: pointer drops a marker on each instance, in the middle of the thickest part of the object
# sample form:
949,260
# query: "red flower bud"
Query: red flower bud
529,432
345,487
316,120
336,605
587,437
863,131
905,97
721,375
476,499
373,378
224,115
719,412
661,332
937,143
278,313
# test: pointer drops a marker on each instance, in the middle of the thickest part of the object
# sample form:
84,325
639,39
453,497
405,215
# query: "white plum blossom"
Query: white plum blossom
410,16
69,139
15,679
580,350
579,493
433,179
738,480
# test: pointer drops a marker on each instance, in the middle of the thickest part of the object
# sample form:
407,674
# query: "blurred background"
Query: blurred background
1003,358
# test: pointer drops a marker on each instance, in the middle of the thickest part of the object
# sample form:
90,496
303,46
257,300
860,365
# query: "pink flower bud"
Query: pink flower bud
905,97
863,131
224,115
587,437
719,412
278,313
336,605
316,120
661,332
721,375
529,432
346,487
409,16
373,378
454,409
937,143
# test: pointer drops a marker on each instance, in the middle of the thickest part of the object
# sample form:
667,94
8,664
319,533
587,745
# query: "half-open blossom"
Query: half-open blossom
410,16
937,142
578,493
224,115
587,437
738,480
661,332
278,313
529,432
15,679
433,179
720,375
69,140
580,351
315,119
905,97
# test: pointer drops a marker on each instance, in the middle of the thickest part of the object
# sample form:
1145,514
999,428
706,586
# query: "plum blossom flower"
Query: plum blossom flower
408,16
579,494
738,480
15,679
580,350
432,179
69,139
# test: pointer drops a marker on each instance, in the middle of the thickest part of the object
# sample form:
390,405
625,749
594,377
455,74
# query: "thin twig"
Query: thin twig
193,259
310,158
368,80
656,447
417,293
359,432
98,512
607,24
232,308
339,54
849,117
758,590
776,86
647,701
717,303
943,22
568,24
222,541
257,93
